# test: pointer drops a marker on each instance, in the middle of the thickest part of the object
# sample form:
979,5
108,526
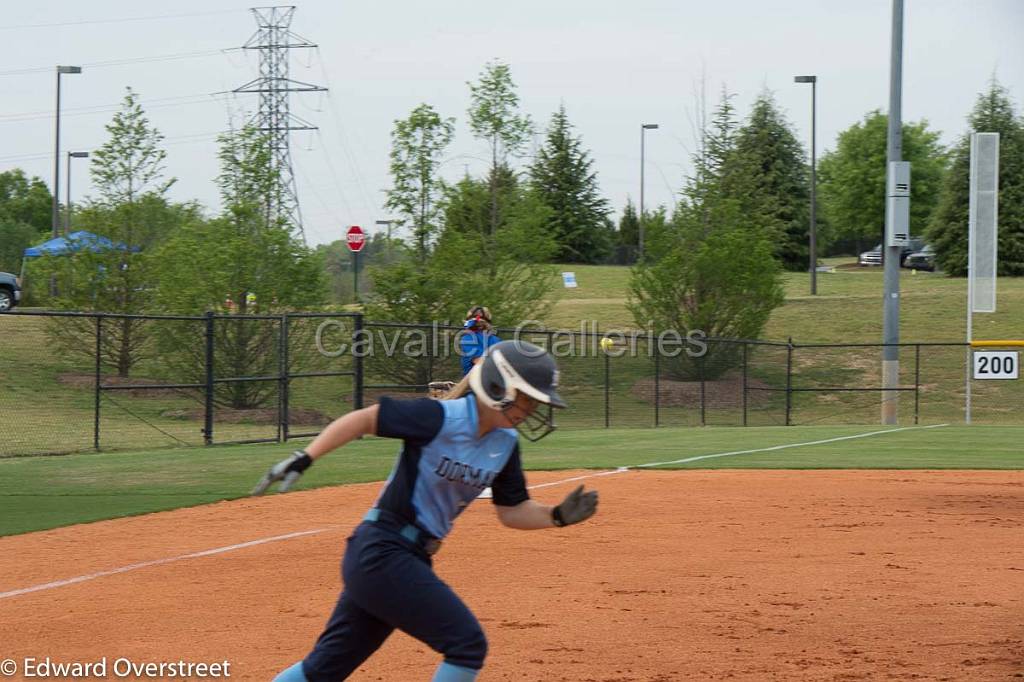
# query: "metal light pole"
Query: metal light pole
67,204
813,232
891,252
644,127
56,152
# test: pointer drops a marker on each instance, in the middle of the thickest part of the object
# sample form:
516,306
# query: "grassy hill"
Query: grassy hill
847,309
47,396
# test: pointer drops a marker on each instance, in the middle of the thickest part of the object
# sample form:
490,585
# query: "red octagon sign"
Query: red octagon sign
356,238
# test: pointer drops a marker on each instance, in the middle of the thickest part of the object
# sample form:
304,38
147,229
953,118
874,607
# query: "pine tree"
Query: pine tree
711,267
715,146
629,233
563,177
993,113
767,173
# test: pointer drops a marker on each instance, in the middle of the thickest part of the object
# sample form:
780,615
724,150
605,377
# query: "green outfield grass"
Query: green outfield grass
45,492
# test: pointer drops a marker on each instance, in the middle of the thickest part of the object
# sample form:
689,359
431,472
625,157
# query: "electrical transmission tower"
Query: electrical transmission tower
273,39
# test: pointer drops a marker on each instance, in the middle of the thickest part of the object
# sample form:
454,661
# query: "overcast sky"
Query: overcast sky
614,65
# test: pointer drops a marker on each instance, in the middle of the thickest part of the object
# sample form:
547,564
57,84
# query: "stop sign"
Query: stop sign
356,238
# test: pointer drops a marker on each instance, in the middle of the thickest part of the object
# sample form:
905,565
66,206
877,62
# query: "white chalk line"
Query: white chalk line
773,448
697,458
252,543
157,562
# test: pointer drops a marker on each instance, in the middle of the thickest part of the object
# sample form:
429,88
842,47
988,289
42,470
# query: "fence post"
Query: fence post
607,390
282,391
99,380
657,385
745,348
703,392
430,356
208,412
917,383
357,365
789,379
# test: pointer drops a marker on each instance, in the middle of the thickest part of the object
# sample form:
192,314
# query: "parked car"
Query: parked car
10,291
874,256
921,260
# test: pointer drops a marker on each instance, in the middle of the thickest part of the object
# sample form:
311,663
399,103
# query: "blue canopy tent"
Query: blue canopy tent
72,243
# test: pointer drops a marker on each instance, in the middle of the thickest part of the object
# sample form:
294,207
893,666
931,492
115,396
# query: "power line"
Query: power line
156,103
334,174
129,60
120,20
343,138
173,140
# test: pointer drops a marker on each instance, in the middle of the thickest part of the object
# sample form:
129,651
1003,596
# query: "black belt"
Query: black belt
385,519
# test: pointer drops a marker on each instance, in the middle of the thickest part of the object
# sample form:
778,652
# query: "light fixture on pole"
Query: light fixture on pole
387,224
644,127
813,232
67,204
55,226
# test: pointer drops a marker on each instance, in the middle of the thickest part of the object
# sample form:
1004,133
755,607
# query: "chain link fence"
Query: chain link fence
78,381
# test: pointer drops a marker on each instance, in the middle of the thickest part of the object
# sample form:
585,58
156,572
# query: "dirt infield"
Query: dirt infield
687,575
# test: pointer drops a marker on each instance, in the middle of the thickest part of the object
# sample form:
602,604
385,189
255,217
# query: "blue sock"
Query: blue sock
446,672
293,674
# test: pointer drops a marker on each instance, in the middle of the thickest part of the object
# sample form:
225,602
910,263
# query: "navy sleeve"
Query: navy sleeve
509,486
416,421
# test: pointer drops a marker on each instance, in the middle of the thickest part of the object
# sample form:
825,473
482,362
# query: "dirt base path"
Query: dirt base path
690,575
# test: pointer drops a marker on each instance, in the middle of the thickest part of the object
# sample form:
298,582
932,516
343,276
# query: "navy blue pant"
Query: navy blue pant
389,584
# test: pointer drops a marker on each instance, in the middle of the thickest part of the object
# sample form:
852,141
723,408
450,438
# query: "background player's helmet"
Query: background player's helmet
513,366
478,318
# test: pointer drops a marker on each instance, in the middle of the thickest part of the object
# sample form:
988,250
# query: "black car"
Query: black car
10,291
874,256
921,260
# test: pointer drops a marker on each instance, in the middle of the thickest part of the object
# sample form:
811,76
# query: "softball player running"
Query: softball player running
451,450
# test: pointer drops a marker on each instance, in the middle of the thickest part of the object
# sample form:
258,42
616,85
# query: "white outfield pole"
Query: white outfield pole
982,241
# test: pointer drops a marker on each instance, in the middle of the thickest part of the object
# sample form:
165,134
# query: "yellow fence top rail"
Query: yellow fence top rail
998,343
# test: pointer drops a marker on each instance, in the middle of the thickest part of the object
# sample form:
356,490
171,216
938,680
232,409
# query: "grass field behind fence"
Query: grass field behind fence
47,399
45,492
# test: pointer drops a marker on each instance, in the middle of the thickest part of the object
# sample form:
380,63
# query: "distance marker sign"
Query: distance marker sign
997,364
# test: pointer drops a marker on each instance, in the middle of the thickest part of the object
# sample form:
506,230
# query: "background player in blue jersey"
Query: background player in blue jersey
478,336
451,450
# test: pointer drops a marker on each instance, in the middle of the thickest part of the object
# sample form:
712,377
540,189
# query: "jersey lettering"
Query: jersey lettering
475,477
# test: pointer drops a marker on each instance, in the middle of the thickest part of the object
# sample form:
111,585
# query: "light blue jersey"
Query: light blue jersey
444,464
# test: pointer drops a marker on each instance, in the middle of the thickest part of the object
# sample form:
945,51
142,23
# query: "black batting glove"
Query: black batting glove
287,471
578,506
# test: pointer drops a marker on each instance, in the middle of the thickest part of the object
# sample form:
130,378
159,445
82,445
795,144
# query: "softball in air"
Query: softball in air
607,344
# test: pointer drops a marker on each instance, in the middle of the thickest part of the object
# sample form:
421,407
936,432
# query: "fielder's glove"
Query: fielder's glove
287,472
578,506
